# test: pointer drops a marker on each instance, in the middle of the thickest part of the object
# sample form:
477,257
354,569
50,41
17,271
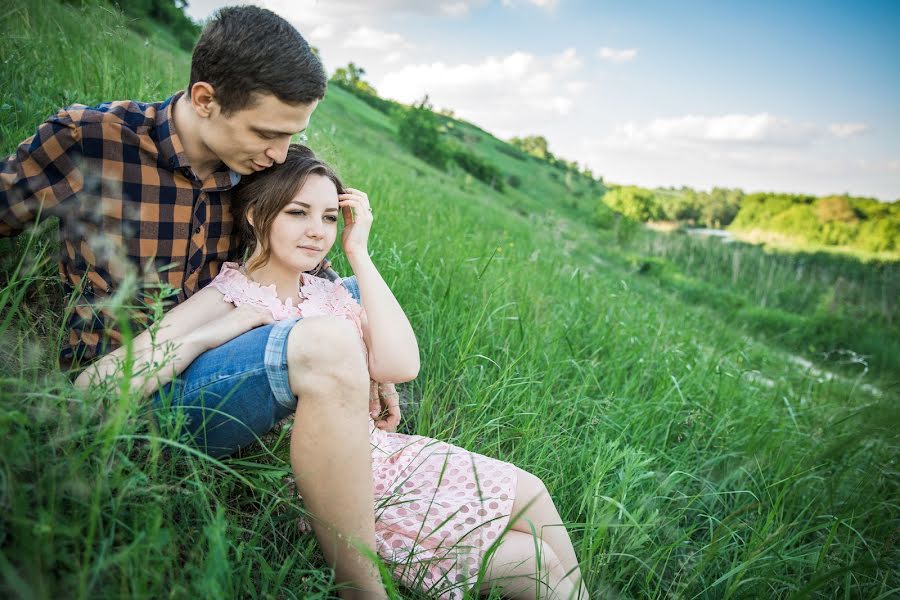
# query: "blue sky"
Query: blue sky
786,96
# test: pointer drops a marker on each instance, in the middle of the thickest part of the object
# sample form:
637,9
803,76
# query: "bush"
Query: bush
633,202
476,167
418,130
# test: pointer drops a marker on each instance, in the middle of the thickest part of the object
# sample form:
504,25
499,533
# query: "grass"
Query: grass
687,453
835,308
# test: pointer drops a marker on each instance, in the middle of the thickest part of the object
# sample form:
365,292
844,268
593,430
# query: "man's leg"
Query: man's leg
330,451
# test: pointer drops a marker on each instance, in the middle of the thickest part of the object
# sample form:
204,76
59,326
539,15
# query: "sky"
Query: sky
792,96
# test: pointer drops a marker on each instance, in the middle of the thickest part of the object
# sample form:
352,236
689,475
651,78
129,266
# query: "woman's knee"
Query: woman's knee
519,559
326,348
530,488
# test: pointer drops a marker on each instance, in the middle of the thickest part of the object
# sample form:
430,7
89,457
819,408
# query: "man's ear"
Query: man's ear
203,99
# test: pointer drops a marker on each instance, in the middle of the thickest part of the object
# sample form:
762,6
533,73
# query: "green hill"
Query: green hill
691,448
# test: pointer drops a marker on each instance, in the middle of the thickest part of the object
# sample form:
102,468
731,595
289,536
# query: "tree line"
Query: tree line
836,220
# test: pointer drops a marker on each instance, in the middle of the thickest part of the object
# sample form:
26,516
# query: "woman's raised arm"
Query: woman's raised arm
392,345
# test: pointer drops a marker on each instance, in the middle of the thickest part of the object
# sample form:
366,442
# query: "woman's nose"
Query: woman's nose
316,229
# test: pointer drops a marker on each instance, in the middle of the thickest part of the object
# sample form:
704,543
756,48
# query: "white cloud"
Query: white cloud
567,60
845,130
455,9
505,94
617,56
548,5
322,32
761,128
880,166
375,39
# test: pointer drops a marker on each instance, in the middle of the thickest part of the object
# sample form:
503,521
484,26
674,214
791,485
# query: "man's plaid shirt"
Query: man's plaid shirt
128,202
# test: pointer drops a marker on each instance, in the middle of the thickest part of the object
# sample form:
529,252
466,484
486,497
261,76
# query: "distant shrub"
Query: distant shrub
604,217
512,151
633,202
476,167
514,181
835,208
417,128
535,145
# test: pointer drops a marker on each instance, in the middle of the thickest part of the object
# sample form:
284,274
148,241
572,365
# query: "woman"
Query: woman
444,516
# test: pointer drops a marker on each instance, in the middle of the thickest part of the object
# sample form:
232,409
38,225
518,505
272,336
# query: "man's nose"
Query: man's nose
278,151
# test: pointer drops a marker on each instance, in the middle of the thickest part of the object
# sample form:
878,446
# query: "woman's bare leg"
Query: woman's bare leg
330,452
527,570
537,509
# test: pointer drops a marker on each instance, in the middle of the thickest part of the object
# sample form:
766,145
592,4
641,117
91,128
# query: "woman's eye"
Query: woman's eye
331,219
296,212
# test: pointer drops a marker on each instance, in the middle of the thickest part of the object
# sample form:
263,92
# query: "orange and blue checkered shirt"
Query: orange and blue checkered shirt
117,177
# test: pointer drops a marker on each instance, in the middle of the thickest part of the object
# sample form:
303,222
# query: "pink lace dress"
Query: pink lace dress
438,508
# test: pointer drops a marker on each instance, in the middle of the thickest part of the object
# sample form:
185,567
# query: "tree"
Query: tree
835,208
535,145
351,77
633,202
418,130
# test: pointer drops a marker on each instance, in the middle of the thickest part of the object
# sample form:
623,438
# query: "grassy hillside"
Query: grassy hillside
689,457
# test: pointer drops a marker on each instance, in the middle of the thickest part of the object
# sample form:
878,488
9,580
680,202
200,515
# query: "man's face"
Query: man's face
255,138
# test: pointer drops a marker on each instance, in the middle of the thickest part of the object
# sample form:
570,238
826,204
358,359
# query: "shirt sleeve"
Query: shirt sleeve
41,175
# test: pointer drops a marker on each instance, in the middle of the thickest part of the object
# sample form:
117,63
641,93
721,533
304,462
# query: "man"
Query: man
143,189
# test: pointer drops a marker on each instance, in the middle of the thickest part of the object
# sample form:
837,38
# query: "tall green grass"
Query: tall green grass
835,308
688,458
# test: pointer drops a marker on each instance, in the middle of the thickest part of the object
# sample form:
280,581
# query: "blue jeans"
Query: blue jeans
235,393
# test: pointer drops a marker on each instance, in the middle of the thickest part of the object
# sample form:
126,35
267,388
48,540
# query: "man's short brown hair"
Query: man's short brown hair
246,50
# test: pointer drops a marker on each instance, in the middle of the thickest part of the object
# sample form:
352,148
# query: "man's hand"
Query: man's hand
384,406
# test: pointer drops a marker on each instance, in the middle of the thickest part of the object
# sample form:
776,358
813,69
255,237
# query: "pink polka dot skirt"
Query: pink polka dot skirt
438,508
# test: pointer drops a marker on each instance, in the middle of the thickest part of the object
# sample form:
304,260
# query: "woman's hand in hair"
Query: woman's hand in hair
357,222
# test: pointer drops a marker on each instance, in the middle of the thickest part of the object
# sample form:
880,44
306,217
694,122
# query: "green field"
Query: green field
713,421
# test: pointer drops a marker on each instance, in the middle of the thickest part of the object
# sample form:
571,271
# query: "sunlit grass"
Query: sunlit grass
689,457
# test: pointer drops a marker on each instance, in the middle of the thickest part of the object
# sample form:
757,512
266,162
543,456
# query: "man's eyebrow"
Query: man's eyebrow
305,205
265,131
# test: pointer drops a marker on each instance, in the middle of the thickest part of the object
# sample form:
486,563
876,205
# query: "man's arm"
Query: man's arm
43,173
158,355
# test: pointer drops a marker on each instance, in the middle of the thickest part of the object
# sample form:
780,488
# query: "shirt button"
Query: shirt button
197,230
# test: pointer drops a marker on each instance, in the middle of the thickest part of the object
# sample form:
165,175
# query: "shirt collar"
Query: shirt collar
172,150
166,137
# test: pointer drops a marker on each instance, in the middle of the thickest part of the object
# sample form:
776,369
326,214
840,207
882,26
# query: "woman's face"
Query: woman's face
305,229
